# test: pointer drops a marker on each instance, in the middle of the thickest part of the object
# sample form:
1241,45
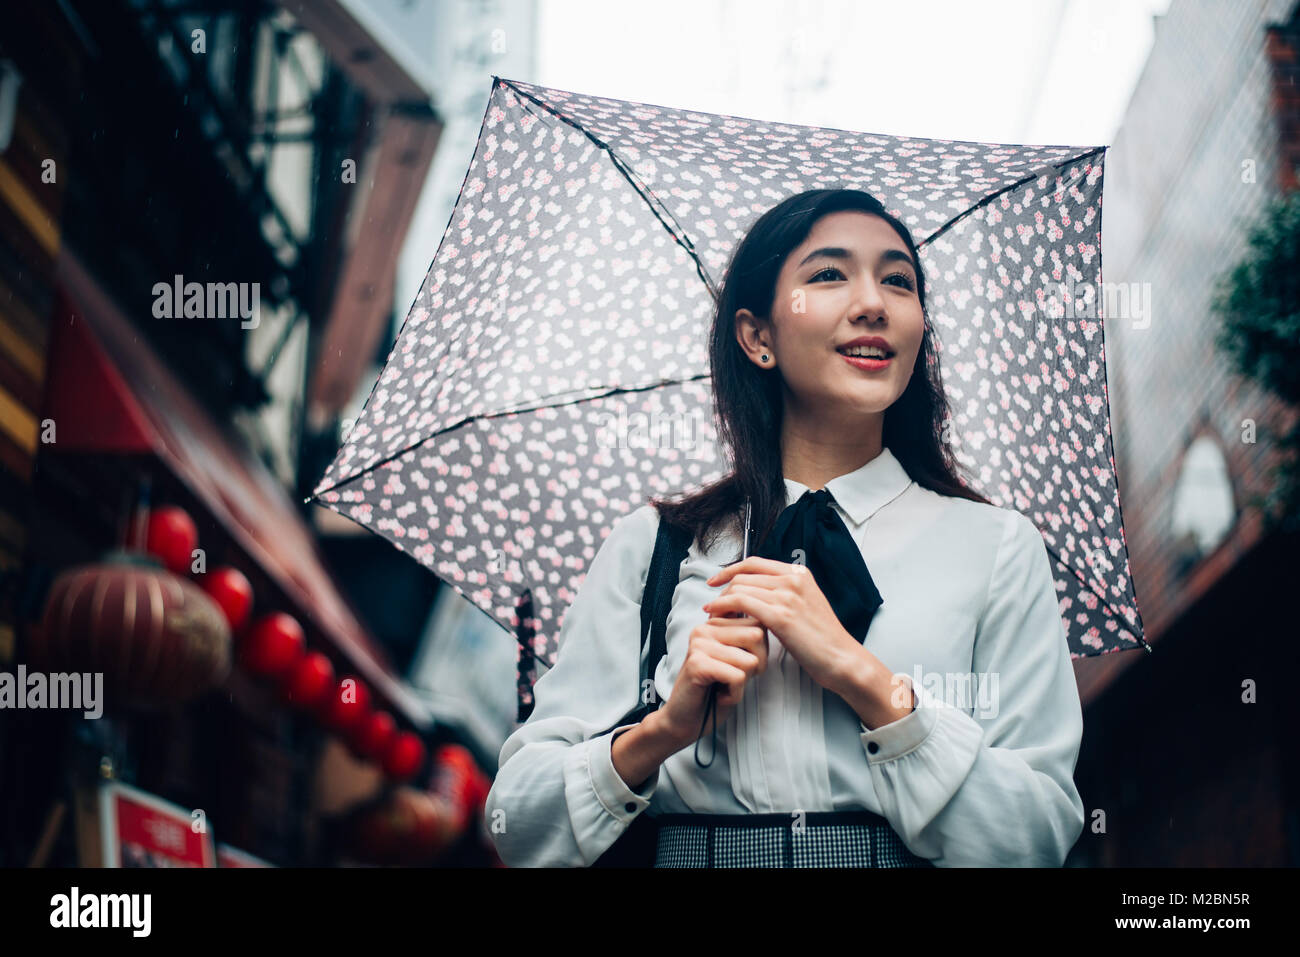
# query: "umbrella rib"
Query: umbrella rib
1102,598
656,206
1006,189
544,404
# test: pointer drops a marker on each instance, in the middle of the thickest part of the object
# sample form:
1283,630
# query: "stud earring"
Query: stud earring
764,356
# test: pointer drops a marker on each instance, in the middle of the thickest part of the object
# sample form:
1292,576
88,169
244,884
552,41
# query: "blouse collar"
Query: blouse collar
861,492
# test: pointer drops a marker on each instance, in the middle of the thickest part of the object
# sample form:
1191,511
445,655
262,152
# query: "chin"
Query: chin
864,405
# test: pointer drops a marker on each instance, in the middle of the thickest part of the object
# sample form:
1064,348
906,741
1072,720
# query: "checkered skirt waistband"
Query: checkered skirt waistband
810,839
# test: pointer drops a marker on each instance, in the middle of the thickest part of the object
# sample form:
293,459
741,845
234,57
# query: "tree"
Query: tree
1258,302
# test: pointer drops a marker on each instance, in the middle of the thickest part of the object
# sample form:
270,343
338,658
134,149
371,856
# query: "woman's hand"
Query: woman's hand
726,650
786,599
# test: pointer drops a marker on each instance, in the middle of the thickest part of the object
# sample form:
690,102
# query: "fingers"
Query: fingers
712,670
730,622
748,601
734,618
770,574
749,565
747,658
765,581
741,632
743,658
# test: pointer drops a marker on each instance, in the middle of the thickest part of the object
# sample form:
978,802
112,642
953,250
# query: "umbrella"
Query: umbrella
552,372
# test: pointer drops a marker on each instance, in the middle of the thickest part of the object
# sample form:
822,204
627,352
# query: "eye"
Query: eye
824,271
904,280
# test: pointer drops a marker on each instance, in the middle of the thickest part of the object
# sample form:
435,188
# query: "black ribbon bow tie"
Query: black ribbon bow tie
812,531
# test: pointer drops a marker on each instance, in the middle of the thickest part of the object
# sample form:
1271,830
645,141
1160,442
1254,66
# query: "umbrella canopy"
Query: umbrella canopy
552,373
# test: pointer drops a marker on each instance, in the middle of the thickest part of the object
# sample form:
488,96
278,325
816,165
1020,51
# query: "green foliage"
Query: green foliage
1258,302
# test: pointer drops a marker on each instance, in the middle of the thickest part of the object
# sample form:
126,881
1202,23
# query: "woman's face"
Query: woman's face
851,278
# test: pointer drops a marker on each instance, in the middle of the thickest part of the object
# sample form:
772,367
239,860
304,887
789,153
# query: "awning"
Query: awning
109,392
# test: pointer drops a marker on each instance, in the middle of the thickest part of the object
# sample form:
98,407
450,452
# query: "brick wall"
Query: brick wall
1283,50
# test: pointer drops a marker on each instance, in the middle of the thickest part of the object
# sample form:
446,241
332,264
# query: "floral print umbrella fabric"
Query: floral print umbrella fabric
552,373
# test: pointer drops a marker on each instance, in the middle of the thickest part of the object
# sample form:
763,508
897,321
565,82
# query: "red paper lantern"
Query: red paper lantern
372,735
346,706
458,780
404,756
272,646
156,637
233,594
310,681
405,828
172,537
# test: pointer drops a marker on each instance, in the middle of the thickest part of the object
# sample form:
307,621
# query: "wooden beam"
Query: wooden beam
360,312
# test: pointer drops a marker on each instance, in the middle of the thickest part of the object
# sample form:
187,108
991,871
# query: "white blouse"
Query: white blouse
971,777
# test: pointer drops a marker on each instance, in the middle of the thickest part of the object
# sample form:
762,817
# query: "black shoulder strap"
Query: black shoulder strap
636,846
671,546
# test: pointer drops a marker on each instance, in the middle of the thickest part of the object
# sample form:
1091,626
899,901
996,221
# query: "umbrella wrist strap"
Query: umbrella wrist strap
710,708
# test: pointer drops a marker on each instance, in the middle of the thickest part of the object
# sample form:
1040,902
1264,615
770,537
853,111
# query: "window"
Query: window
1203,507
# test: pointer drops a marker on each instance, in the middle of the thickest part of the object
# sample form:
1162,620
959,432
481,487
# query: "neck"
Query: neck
814,451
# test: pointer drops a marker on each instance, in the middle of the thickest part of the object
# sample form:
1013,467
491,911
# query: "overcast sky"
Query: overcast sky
1023,71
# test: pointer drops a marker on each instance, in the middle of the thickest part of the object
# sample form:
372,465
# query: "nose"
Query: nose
868,300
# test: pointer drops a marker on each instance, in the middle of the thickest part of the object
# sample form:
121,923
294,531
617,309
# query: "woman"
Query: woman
946,735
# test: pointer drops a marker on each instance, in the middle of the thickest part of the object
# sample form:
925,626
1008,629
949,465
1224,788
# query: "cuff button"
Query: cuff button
629,807
872,747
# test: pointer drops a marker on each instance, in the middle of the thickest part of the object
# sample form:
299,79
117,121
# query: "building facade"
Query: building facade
1186,756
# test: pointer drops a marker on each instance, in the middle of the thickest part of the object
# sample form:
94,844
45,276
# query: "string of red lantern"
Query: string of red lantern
274,647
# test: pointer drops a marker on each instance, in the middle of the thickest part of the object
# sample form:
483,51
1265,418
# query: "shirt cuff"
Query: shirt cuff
620,801
891,741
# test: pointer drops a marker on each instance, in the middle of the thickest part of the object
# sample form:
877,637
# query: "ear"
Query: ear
753,333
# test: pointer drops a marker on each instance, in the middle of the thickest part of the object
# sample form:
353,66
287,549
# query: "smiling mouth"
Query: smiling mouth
868,363
862,352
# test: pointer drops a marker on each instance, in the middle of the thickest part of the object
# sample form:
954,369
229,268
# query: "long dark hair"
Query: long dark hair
748,401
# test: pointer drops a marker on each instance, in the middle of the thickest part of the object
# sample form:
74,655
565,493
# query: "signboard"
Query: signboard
140,830
228,856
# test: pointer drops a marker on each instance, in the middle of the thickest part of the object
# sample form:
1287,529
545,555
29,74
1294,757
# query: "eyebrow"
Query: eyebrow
839,252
